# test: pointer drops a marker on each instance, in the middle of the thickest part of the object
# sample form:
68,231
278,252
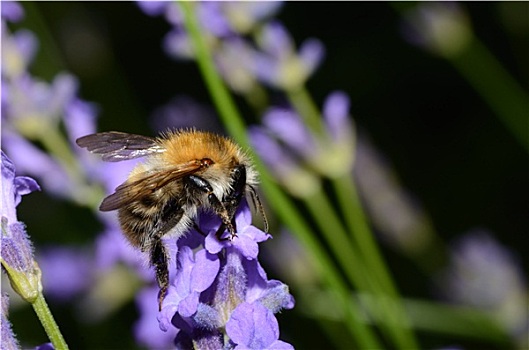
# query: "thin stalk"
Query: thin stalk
335,235
46,319
498,88
356,220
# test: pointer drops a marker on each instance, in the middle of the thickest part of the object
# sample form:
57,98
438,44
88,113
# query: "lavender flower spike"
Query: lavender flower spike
17,251
221,297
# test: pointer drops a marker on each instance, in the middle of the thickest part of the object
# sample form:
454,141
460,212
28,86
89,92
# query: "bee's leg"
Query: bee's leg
232,200
159,259
171,214
202,185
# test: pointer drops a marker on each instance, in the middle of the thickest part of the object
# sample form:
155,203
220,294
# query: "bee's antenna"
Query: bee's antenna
256,201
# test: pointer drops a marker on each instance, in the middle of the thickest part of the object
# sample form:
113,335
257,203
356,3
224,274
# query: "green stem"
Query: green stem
335,235
398,323
497,87
46,319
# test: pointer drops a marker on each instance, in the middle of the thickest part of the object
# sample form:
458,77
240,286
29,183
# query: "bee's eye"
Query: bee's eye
206,162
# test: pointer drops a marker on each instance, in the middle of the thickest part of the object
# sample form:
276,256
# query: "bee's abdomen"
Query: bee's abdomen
149,217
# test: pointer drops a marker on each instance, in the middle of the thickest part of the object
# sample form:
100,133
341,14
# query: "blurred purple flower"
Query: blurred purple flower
394,212
12,11
244,16
212,282
486,275
153,8
442,28
287,169
278,64
234,58
66,271
34,102
147,330
18,50
32,160
293,151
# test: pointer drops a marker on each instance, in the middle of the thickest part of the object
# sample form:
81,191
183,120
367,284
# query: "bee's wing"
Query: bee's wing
117,146
129,192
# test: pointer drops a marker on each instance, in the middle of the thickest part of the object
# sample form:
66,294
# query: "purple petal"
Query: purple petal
212,19
212,243
177,45
169,308
288,127
270,151
80,119
188,305
24,185
276,41
45,346
336,113
12,11
252,326
153,8
247,246
281,345
311,54
13,188
32,160
147,330
26,43
265,68
204,271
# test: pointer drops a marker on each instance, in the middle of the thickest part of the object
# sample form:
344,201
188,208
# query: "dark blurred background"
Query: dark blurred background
448,148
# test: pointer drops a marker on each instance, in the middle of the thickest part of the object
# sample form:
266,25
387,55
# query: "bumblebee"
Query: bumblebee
183,172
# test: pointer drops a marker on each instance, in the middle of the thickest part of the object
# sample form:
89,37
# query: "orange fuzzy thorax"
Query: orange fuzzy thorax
184,146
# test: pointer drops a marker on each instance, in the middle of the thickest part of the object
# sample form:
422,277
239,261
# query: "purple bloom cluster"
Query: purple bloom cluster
271,58
220,296
486,275
293,151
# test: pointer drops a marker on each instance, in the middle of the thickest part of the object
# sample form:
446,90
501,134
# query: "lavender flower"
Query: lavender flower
146,329
66,271
486,275
277,63
442,28
219,286
394,212
12,11
286,140
17,251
